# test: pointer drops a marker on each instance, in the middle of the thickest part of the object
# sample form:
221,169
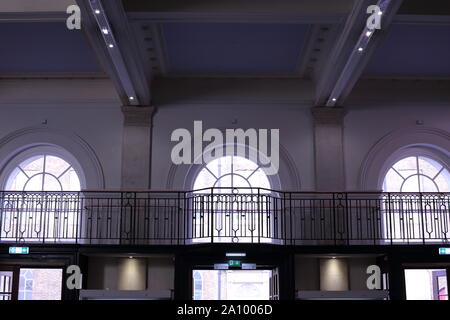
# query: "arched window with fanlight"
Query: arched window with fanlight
416,208
233,202
41,199
232,173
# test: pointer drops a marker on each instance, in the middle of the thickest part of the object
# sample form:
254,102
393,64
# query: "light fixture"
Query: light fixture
235,254
368,33
131,257
380,13
111,45
360,49
334,99
97,11
105,31
131,98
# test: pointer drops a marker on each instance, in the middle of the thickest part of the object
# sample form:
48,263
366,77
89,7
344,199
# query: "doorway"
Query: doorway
426,284
30,283
258,284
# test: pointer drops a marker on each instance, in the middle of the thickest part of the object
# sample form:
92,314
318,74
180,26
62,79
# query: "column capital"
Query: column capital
138,116
328,115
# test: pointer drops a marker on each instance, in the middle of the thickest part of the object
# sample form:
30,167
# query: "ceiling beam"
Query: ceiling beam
239,7
352,51
106,25
294,18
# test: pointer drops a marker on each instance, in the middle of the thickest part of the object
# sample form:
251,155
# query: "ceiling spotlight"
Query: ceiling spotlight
368,33
360,49
111,45
105,31
97,11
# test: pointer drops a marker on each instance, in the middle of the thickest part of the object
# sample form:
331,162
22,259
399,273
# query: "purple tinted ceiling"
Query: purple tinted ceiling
44,47
413,50
237,47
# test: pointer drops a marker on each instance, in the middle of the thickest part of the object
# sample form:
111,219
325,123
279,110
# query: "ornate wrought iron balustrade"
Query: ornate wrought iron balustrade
224,215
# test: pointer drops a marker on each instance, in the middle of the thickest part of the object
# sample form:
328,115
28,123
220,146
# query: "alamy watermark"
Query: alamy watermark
251,144
374,20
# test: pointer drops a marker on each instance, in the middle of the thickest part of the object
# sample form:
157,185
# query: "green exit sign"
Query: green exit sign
234,263
19,250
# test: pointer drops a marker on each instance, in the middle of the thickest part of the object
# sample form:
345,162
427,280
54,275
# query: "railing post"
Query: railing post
390,217
211,214
259,216
334,219
290,218
347,218
421,217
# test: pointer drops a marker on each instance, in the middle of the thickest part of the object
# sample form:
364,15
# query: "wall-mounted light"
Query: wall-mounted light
235,254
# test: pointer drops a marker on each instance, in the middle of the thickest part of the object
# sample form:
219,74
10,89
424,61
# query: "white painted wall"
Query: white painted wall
123,273
90,109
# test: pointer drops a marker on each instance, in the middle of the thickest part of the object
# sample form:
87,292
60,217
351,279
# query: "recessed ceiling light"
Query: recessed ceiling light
97,11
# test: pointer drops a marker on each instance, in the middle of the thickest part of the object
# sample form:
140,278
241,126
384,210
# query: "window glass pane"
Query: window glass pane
70,181
204,180
259,179
429,167
33,165
60,176
220,166
55,166
443,181
51,183
406,167
232,172
393,181
425,284
432,176
411,184
34,184
17,180
40,284
427,185
243,166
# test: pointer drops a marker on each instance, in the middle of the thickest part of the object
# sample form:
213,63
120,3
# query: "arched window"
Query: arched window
411,214
43,172
240,209
417,174
41,199
232,172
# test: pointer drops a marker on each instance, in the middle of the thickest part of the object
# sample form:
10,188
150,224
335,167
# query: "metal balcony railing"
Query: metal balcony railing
224,215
